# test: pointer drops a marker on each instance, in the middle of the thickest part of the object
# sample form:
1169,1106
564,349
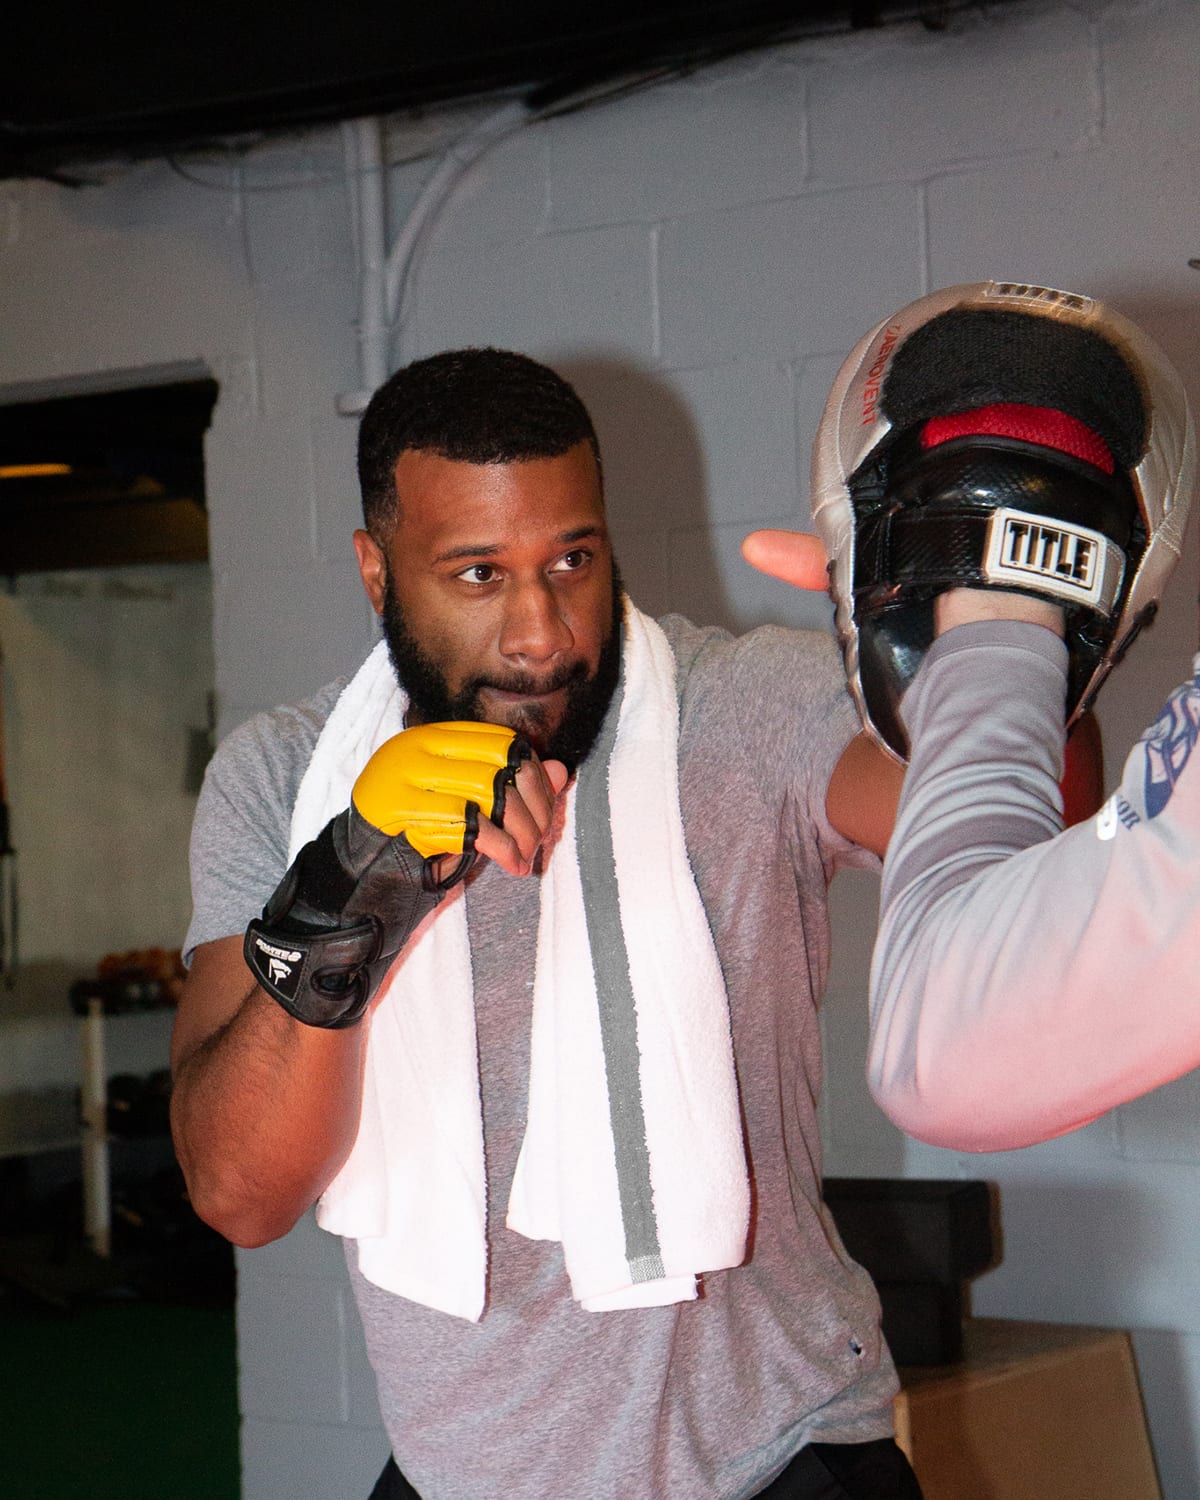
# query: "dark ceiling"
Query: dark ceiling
122,472
129,78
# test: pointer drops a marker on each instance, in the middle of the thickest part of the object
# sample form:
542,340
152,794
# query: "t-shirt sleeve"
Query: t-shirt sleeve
239,840
1025,980
797,718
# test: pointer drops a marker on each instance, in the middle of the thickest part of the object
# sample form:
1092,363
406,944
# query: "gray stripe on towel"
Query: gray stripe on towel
614,990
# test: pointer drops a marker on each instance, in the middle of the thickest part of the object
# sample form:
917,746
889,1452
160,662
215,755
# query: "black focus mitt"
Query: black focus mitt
998,435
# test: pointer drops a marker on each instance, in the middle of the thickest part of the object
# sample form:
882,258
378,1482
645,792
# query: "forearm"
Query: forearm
268,1086
953,1010
264,1109
1016,995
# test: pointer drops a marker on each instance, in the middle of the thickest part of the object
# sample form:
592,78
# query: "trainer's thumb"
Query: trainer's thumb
794,556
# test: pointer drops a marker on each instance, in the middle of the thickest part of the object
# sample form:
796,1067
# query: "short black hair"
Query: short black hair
479,406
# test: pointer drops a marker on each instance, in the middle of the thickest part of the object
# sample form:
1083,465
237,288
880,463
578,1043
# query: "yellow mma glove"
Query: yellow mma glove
430,783
355,894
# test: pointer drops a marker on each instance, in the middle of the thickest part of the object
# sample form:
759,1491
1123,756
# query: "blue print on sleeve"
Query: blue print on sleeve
1169,742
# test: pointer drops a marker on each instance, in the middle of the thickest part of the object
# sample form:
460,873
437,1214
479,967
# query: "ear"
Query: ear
372,564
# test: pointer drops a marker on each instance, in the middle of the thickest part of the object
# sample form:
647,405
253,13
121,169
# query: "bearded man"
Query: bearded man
531,1015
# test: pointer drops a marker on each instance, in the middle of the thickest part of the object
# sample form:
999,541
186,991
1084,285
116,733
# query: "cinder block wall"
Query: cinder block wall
697,257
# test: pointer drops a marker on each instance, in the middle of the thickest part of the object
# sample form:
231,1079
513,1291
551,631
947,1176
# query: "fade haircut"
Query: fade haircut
478,406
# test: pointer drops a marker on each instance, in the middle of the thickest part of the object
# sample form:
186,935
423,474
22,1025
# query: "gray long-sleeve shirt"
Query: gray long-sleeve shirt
1026,980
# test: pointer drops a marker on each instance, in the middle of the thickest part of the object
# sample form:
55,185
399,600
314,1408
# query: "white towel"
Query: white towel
633,1155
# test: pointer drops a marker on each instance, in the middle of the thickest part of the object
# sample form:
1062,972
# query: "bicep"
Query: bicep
864,793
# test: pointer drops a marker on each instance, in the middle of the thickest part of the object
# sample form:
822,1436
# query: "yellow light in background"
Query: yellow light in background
32,471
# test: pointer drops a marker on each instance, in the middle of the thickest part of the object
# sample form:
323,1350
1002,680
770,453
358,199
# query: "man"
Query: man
569,1134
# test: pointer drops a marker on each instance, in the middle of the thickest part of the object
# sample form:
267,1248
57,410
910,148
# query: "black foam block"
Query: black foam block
972,357
921,1241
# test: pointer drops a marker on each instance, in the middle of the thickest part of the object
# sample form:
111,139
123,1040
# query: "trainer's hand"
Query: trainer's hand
794,556
962,606
528,813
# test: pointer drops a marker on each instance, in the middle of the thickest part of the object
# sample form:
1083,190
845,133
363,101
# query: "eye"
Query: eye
480,572
571,562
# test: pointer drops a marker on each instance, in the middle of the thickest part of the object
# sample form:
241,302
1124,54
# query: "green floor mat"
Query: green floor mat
118,1400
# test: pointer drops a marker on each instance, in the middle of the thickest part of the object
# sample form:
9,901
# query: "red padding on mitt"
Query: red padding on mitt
1030,424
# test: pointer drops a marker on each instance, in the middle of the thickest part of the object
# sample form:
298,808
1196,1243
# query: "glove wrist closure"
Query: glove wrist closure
338,919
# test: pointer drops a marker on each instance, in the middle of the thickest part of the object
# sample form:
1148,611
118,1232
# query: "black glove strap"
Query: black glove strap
339,917
321,978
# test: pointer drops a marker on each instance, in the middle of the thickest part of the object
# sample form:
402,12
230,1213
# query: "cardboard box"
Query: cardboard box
1033,1411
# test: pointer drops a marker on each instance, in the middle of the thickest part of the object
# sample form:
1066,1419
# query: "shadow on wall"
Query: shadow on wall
1074,1251
1166,1379
678,551
654,477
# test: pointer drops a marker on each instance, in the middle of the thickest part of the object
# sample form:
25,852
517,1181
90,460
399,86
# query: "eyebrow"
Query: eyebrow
493,549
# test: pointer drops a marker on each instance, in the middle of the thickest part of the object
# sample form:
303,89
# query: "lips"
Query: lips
535,708
500,695
505,704
520,689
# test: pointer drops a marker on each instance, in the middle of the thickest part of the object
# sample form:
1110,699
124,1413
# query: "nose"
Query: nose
534,629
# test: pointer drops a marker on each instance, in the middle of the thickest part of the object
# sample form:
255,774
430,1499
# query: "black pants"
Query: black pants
822,1471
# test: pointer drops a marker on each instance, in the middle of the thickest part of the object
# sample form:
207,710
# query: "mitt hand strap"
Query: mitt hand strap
1008,548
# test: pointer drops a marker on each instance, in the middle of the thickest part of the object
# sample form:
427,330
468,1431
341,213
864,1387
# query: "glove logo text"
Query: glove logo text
289,955
870,395
1065,561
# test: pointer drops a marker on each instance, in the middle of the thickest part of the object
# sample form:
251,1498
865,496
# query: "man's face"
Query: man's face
498,595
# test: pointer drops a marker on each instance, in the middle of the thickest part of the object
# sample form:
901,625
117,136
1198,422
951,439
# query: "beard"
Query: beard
587,697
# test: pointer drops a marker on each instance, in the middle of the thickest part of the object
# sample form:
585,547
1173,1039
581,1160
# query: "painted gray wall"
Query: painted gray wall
697,257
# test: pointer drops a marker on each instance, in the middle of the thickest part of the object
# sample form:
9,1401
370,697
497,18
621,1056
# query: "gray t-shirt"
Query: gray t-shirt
709,1398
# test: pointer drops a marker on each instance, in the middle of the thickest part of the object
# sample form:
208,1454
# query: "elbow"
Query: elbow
933,1121
957,1114
911,1110
253,1236
249,1200
909,1083
932,1100
937,1078
246,1217
247,1225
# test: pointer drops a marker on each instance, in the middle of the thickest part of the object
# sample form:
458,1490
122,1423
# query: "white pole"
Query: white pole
97,1219
384,275
368,174
466,150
